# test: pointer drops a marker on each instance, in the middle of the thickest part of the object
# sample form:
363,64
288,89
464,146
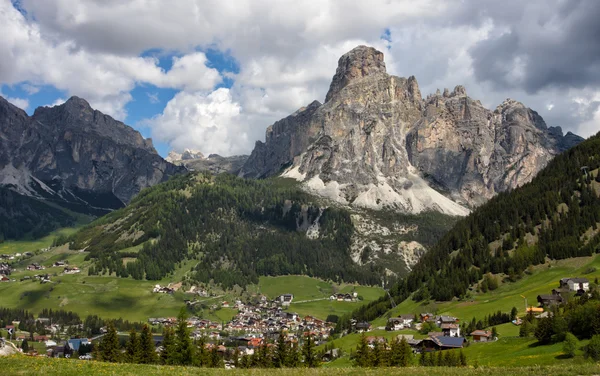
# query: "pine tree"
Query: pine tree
406,354
462,359
133,349
184,348
148,351
363,353
293,360
25,346
167,356
281,352
308,352
215,358
110,348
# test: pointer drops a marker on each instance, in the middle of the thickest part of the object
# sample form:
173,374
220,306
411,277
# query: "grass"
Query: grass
23,365
11,247
543,279
311,295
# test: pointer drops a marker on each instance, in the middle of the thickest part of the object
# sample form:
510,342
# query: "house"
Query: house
285,299
330,355
425,317
59,263
71,270
401,322
549,300
452,330
225,304
75,343
4,278
443,343
440,320
363,326
575,284
481,336
35,266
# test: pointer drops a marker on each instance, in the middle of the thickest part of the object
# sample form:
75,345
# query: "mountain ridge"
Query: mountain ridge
376,142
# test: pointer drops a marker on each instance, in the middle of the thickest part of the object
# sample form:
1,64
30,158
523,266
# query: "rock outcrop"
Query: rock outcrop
214,163
77,156
377,143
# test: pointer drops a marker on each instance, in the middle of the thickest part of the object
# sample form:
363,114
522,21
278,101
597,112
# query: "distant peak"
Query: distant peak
360,62
77,102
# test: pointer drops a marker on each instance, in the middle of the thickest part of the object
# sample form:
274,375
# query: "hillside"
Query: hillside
556,216
235,229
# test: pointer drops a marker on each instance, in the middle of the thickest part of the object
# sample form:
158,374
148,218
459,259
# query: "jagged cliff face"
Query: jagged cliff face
77,155
215,164
377,143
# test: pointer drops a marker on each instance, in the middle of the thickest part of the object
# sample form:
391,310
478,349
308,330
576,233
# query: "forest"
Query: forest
236,229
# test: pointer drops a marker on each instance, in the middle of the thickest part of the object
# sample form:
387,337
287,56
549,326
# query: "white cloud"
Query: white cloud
153,98
209,122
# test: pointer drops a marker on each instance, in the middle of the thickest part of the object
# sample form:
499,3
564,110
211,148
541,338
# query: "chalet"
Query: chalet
363,326
549,300
425,317
443,343
371,340
401,322
225,304
40,338
5,269
330,355
481,336
162,290
35,266
71,270
285,299
75,343
4,278
440,320
59,264
451,330
575,284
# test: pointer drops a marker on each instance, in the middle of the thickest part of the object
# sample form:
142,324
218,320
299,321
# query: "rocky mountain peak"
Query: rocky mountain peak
375,143
360,62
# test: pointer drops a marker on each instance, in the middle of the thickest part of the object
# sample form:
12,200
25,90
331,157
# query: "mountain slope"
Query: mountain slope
215,164
377,143
236,229
76,157
555,216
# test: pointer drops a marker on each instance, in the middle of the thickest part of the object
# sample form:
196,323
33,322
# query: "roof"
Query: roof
482,333
578,280
407,316
449,326
549,297
448,341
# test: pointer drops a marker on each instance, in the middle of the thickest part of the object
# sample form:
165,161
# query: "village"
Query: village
262,321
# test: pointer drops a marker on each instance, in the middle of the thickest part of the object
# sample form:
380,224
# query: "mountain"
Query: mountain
377,143
76,157
232,229
555,216
194,160
187,155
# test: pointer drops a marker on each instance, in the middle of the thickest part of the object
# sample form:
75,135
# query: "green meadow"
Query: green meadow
23,365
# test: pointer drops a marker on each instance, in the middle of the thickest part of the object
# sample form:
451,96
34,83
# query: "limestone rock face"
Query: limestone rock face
377,143
214,163
76,155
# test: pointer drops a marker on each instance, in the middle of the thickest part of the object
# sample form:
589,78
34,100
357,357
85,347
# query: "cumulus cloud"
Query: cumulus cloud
545,53
210,122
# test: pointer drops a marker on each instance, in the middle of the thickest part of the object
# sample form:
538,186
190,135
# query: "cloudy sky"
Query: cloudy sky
212,74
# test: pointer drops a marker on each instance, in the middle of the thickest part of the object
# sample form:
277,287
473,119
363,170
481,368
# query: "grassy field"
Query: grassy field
311,295
22,365
11,247
543,279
